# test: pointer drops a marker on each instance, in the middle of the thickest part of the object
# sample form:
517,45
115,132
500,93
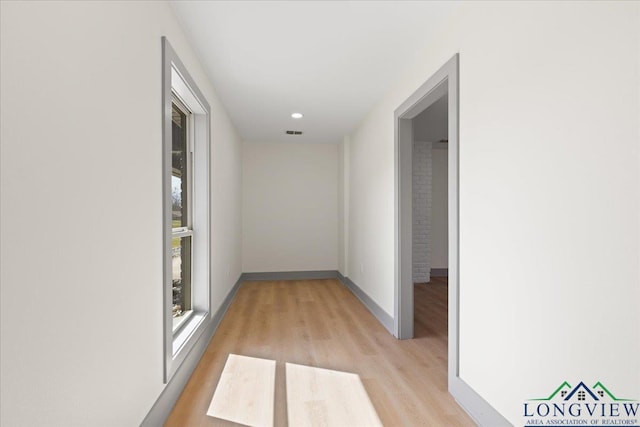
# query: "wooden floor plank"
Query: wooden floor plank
245,392
405,380
324,397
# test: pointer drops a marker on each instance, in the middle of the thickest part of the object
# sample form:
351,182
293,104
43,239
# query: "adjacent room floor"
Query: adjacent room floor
321,323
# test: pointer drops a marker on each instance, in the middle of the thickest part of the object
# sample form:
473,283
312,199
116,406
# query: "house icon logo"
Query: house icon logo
581,405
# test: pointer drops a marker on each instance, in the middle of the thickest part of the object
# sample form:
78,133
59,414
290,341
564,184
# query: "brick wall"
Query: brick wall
422,199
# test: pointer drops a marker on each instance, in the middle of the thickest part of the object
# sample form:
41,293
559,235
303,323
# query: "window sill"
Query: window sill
179,321
187,331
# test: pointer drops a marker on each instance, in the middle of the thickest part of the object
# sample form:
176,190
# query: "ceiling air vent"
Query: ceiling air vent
293,132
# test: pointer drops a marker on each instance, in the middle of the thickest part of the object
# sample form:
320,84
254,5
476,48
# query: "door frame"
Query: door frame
445,80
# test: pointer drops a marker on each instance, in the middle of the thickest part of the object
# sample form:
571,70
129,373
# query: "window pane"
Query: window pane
181,276
179,168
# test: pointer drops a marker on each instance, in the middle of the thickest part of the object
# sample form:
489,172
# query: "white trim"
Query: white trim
181,232
178,321
181,337
184,92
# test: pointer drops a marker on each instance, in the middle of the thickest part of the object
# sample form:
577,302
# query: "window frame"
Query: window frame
177,83
190,143
185,230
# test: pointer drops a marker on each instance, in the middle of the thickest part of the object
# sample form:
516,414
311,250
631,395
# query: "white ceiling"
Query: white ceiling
329,60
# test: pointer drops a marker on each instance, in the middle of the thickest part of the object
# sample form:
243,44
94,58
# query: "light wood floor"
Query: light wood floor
320,323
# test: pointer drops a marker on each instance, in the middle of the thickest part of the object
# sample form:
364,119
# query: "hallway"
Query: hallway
321,323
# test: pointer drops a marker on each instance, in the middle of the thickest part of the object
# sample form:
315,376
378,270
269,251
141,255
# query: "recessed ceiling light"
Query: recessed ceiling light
296,115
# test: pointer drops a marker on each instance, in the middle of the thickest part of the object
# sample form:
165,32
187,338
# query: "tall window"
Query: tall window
186,221
181,224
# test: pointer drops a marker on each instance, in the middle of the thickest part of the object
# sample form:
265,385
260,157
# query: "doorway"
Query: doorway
444,81
430,222
443,84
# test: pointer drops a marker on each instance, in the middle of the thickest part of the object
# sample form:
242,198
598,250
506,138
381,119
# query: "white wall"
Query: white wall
81,209
290,207
439,208
343,207
549,217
